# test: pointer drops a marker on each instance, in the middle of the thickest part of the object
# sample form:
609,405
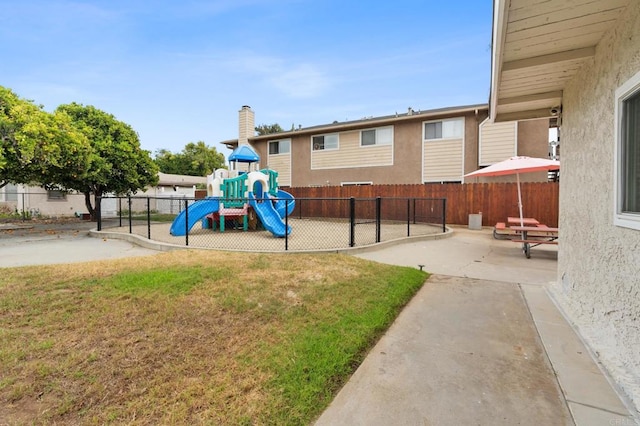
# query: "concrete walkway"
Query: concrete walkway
481,343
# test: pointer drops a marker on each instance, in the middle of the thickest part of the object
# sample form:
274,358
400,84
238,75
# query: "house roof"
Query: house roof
167,179
540,45
368,122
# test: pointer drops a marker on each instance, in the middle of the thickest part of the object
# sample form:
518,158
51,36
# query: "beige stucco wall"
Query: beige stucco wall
406,155
36,201
471,140
409,160
599,263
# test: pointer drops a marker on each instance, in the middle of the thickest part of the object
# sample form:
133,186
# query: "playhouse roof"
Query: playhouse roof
244,154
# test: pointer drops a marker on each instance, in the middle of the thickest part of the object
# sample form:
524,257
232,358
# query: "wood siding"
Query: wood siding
496,201
281,163
442,160
350,154
542,46
497,142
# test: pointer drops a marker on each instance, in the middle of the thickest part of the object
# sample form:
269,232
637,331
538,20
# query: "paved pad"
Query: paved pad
462,352
56,246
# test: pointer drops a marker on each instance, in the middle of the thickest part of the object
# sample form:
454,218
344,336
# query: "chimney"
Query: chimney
247,125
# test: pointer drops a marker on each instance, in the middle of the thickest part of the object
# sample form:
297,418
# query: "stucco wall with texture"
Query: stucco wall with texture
599,263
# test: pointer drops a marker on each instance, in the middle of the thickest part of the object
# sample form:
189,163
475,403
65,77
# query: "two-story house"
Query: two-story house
439,145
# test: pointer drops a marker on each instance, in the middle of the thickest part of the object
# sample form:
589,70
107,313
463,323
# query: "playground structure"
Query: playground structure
231,194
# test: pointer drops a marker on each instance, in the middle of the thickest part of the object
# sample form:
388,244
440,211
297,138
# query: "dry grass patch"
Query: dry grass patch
190,337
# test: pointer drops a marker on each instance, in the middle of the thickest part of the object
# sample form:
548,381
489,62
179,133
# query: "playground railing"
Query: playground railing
315,223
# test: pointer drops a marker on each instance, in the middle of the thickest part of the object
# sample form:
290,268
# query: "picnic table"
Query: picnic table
533,236
526,221
502,232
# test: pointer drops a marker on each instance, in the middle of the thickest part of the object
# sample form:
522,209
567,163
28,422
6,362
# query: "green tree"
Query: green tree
117,163
37,147
268,129
196,159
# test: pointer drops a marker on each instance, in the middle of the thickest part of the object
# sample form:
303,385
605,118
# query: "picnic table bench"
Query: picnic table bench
533,236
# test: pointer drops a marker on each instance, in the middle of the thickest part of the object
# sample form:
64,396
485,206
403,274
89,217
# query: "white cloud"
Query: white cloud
293,80
301,81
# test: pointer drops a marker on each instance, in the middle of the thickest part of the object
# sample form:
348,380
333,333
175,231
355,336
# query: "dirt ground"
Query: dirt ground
24,228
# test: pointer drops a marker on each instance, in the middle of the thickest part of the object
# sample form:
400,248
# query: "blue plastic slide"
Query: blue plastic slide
268,215
197,211
285,200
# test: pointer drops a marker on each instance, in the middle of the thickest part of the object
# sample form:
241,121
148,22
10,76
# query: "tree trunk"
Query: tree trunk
93,211
87,203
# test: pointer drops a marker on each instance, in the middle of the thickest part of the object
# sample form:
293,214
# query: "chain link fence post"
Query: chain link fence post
352,222
378,218
286,225
99,212
120,211
186,222
444,215
130,219
148,218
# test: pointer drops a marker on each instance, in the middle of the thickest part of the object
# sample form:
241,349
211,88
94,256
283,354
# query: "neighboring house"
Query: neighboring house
38,201
438,145
170,185
579,62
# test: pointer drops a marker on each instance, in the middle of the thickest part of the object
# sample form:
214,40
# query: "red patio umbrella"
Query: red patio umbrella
517,165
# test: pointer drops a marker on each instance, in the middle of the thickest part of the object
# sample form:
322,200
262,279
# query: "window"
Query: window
56,195
279,147
10,192
445,129
324,142
627,158
380,136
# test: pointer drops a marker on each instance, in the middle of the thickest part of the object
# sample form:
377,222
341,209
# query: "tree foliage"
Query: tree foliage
196,159
268,129
37,147
117,164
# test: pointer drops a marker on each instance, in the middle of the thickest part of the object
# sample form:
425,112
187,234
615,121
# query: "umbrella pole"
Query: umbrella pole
519,199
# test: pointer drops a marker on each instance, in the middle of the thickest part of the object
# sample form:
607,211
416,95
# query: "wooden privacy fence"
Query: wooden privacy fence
496,201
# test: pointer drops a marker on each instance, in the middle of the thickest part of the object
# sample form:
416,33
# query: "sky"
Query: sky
179,71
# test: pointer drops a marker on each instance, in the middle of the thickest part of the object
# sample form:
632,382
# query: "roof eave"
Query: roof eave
378,121
498,34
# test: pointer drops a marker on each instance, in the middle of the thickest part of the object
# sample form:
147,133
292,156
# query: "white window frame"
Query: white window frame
623,219
377,142
279,142
324,135
424,129
9,193
56,195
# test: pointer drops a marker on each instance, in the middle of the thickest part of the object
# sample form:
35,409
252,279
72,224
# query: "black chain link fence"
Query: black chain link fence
315,224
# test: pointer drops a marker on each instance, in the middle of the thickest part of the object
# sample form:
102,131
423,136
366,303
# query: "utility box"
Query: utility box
475,221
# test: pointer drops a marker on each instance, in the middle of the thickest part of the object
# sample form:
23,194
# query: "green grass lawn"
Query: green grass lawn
154,217
190,336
